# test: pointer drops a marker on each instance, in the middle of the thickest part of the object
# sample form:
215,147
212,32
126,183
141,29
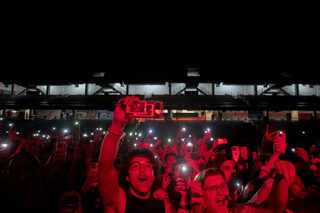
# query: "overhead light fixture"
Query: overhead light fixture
98,74
193,72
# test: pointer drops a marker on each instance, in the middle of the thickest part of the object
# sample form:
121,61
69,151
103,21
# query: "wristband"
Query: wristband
114,134
117,134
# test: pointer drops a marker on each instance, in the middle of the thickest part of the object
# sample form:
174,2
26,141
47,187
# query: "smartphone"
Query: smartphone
189,147
185,171
222,141
244,152
281,136
146,109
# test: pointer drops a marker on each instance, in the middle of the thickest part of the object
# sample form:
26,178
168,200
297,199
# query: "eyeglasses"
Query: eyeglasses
215,188
135,166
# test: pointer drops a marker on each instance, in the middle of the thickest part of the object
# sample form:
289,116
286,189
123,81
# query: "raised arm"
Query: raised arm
107,174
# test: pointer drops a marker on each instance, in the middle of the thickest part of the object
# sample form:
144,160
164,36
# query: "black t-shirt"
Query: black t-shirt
137,205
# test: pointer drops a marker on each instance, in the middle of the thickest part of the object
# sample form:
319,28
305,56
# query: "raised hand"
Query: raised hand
120,118
287,169
301,152
166,180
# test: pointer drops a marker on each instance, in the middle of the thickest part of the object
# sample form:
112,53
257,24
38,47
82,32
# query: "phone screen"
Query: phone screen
185,171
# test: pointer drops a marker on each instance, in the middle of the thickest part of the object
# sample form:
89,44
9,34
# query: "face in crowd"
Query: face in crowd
216,194
228,168
141,176
70,201
297,190
170,160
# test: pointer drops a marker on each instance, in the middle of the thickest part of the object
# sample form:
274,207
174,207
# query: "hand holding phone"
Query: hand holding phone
145,109
244,152
279,141
185,172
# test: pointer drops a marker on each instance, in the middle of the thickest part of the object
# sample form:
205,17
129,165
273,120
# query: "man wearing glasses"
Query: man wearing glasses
210,193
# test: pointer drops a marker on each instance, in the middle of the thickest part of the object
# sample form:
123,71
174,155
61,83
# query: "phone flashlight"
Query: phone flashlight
293,150
183,129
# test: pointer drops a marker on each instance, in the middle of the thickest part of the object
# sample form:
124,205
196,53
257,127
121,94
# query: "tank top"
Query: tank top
137,205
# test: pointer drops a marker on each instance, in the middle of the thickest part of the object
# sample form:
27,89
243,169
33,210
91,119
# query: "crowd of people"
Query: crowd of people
114,173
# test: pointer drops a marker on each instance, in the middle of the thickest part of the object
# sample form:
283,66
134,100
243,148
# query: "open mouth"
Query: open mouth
221,202
142,179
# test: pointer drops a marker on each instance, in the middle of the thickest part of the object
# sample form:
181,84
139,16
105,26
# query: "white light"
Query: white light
97,129
4,145
135,133
10,124
211,139
183,129
303,132
140,134
238,184
189,144
85,135
65,130
53,128
169,140
104,132
155,138
208,130
189,136
293,149
130,134
76,123
43,136
136,138
100,129
18,133
151,145
184,168
135,144
150,131
91,133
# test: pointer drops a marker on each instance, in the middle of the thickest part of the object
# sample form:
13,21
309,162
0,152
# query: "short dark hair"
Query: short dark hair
170,154
125,163
217,162
201,176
